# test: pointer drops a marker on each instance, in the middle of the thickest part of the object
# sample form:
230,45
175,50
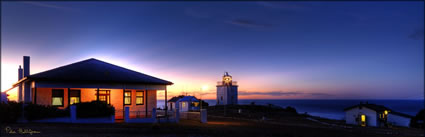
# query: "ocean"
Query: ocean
332,109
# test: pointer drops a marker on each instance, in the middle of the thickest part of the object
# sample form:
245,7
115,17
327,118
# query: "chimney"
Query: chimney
20,73
20,86
26,85
26,66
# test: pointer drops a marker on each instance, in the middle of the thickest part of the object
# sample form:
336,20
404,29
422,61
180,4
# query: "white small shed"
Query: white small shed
184,103
375,115
188,103
171,104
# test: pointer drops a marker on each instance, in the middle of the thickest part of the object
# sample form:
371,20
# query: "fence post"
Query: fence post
177,115
204,115
112,118
127,114
73,111
154,113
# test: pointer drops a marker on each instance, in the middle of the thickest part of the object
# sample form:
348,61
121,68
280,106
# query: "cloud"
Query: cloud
160,94
271,93
248,23
46,5
228,19
207,93
282,93
319,94
417,34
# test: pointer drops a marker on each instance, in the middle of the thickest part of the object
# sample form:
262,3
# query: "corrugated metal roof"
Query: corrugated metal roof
377,108
93,70
183,98
174,99
401,114
189,98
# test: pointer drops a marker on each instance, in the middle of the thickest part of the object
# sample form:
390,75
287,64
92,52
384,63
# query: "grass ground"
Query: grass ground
252,120
216,126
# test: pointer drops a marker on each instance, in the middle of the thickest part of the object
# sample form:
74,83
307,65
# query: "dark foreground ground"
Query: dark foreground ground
216,126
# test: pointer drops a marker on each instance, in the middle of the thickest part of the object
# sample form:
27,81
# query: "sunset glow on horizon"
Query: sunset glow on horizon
273,53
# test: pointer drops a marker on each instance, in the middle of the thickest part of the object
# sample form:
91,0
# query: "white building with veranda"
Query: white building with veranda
227,91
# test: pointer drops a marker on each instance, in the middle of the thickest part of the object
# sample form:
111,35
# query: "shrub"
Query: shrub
290,109
10,112
94,109
418,120
36,112
252,103
274,107
204,104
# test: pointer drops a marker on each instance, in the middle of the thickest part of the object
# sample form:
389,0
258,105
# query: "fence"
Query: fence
119,114
195,116
171,116
190,115
133,117
73,118
138,117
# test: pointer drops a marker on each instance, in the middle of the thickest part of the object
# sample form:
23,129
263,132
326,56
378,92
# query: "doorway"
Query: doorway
363,120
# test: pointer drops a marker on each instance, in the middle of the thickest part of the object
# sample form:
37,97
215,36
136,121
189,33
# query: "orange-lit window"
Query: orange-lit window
127,98
139,97
57,97
74,96
195,104
104,96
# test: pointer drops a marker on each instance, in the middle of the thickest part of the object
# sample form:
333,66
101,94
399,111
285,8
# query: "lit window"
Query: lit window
139,97
183,104
195,104
104,96
363,120
57,97
127,98
74,96
74,100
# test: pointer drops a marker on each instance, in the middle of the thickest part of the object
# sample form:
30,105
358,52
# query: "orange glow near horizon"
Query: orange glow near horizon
197,84
183,85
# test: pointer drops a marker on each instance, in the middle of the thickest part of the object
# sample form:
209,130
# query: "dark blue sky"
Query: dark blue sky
311,49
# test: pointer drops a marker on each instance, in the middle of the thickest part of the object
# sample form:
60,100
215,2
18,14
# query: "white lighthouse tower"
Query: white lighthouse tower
227,91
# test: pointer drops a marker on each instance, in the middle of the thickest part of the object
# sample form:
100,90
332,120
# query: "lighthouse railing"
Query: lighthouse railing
221,83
